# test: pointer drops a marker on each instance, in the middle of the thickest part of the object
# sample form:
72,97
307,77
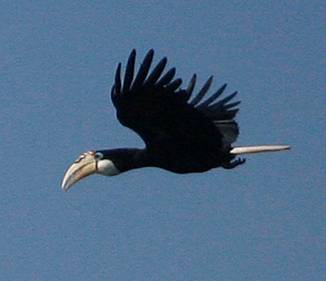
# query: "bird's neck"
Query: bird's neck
126,159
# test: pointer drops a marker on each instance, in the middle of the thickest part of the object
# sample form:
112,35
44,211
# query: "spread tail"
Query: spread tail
258,149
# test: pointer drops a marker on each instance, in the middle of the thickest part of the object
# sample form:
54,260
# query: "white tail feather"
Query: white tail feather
258,149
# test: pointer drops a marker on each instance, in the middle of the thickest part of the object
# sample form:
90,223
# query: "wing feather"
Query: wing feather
161,113
143,70
191,84
118,79
202,92
171,87
129,74
156,73
213,97
166,78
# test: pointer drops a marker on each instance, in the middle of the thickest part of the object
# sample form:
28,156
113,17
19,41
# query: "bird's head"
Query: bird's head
86,164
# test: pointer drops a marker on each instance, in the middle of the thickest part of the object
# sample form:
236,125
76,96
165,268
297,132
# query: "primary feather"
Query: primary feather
154,106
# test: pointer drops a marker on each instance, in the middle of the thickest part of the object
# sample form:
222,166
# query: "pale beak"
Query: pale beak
84,166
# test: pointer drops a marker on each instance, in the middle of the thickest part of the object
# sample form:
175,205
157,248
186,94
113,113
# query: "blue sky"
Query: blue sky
262,221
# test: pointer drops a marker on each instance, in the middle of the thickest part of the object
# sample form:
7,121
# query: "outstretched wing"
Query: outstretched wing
153,105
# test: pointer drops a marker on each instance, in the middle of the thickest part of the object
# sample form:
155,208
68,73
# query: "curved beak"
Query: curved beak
84,166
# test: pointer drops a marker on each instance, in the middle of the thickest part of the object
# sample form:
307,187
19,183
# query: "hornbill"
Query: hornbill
181,134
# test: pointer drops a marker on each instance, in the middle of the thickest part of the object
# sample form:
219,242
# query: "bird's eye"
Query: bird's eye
98,155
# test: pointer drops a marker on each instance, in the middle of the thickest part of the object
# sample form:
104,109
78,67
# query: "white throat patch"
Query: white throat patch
107,168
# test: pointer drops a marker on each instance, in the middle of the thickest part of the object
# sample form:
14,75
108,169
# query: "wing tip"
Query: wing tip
133,52
151,52
118,78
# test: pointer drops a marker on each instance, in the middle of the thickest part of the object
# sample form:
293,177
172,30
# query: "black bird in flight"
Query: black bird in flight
181,134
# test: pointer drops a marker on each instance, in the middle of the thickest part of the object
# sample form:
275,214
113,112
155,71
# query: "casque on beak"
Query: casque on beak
83,166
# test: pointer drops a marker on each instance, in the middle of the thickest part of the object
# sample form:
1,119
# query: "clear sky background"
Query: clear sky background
262,221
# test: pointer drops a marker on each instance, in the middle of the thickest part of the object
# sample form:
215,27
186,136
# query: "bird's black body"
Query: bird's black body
181,134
